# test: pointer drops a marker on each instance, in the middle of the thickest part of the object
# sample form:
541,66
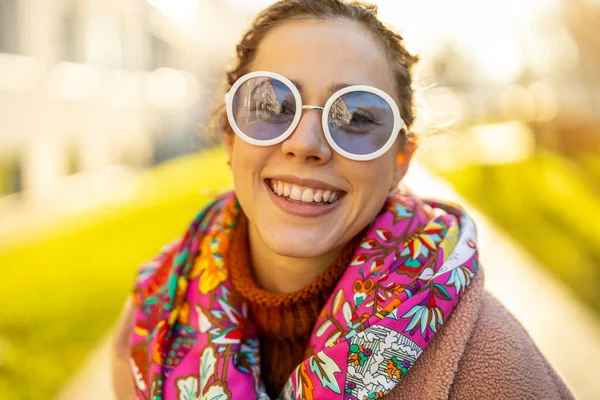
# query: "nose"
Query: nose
307,143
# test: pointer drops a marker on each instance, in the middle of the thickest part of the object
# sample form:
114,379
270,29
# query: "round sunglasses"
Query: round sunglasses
359,122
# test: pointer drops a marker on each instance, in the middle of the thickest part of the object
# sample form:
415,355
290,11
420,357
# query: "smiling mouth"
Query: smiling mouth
304,195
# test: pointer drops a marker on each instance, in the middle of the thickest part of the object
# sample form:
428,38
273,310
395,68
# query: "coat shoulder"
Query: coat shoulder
502,361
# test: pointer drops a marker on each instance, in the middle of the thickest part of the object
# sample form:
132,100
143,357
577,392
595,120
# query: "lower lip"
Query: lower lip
302,209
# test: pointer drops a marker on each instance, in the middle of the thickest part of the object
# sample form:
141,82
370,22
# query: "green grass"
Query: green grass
63,285
551,206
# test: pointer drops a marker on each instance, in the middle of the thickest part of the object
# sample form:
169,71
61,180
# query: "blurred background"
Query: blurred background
101,160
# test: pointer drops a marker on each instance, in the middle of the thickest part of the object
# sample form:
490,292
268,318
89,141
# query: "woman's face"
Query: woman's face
317,55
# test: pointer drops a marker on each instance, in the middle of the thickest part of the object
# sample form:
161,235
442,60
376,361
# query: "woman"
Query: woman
318,278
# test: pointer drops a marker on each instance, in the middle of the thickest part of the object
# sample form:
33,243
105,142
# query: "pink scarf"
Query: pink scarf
193,338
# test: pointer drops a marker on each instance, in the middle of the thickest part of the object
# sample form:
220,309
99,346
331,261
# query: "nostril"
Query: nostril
291,156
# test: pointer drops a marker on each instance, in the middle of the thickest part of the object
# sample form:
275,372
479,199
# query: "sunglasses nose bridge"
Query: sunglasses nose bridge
309,107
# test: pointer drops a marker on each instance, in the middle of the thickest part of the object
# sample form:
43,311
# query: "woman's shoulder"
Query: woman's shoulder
502,361
482,352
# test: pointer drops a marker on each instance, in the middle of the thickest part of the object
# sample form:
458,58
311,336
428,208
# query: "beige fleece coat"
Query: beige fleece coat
481,353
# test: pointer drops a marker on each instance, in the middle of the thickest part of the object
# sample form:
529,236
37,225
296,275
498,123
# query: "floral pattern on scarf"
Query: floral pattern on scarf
193,338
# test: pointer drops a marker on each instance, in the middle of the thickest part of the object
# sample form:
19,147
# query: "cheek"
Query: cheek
373,176
243,156
248,162
240,168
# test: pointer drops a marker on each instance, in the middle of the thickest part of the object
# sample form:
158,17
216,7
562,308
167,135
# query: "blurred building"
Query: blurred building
86,84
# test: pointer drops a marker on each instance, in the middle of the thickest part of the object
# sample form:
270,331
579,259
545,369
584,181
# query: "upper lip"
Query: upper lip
305,182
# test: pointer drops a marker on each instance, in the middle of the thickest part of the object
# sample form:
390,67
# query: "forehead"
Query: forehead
319,54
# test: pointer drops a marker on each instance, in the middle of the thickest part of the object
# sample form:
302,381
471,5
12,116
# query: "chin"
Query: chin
297,246
299,252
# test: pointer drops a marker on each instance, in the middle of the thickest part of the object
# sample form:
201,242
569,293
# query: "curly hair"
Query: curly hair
401,61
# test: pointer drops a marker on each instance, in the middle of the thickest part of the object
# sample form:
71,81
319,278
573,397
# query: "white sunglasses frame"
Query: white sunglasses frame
398,121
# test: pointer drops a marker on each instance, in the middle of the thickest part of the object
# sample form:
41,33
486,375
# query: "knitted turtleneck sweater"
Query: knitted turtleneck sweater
284,320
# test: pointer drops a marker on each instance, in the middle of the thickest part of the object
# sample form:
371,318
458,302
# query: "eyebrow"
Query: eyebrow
331,89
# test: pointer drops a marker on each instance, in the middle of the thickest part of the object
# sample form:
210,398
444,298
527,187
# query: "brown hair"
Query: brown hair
401,61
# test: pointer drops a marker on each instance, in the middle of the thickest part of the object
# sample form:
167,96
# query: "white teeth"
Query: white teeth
296,193
318,196
307,196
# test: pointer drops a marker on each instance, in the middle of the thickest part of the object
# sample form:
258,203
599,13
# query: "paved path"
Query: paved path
566,332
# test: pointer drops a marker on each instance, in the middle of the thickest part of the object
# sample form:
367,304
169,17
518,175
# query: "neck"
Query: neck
282,274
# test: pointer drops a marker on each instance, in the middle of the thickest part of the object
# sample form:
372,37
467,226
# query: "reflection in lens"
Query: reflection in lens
360,122
264,108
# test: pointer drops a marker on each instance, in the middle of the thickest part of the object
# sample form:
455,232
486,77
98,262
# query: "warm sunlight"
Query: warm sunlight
112,125
494,35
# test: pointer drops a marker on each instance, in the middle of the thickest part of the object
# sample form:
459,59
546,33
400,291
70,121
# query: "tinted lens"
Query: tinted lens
360,122
264,108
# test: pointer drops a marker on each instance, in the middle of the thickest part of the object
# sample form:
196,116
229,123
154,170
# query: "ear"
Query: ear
401,168
229,139
403,159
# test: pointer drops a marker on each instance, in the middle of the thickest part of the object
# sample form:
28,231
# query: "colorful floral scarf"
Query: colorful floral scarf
193,339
